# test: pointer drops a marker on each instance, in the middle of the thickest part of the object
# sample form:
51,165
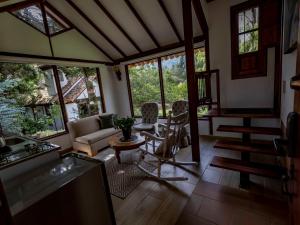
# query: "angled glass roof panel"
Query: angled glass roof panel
33,16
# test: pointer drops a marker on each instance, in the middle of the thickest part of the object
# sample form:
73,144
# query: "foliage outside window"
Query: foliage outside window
81,92
248,30
145,86
27,103
145,82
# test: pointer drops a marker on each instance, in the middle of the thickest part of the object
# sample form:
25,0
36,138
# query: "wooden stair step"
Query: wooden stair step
246,167
250,130
242,113
261,147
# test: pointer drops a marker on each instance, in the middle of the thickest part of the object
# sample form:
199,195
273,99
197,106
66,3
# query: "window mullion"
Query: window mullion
60,96
161,83
103,107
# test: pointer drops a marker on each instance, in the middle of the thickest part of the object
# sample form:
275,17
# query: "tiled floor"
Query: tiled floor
200,202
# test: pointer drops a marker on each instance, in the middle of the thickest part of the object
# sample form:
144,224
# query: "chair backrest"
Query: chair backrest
149,112
179,107
174,129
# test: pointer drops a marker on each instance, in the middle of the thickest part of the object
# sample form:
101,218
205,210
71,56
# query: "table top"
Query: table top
115,142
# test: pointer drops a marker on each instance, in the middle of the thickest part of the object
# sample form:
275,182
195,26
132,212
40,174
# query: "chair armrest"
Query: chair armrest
151,136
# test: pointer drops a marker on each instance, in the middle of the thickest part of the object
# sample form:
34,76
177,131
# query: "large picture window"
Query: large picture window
31,105
144,82
27,106
146,85
81,92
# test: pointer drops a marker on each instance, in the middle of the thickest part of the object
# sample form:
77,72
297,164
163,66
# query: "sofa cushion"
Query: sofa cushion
96,136
84,126
106,121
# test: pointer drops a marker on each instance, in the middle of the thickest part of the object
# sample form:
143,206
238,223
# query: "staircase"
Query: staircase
246,146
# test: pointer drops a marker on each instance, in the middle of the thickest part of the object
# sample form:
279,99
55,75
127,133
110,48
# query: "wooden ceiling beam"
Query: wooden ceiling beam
90,22
171,22
115,22
159,50
140,20
52,8
200,16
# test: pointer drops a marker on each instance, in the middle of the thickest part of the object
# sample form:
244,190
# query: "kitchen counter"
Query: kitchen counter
28,188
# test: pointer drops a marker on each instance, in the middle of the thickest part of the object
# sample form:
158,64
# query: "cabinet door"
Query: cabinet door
5,217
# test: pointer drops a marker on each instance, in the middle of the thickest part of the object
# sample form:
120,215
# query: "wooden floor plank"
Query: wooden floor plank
154,202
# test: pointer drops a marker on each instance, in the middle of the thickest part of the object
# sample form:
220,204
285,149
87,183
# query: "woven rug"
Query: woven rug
125,177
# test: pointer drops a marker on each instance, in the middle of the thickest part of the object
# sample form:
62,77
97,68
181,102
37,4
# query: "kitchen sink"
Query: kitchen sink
14,141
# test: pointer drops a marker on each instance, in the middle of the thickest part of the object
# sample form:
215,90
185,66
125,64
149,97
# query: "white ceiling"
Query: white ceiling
149,10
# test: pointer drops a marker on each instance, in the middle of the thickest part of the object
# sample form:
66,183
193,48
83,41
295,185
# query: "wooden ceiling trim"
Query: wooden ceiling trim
140,20
159,50
115,22
82,14
52,8
171,22
200,16
30,56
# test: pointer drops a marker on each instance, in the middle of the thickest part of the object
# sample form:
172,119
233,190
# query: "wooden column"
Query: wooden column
191,77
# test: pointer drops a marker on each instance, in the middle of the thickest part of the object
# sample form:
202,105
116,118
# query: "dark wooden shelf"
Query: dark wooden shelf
260,147
247,167
250,130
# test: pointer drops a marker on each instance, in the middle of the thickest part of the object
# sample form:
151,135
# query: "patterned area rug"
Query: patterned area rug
125,177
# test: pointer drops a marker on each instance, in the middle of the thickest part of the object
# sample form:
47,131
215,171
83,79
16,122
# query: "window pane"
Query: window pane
241,43
32,15
251,19
200,62
174,75
251,41
241,22
144,83
27,101
80,90
53,25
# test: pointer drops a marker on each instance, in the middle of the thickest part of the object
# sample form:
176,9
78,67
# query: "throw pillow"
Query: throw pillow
106,121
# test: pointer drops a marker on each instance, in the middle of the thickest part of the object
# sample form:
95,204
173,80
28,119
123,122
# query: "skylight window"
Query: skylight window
33,16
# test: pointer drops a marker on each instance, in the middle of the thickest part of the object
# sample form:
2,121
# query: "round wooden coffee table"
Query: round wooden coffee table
119,146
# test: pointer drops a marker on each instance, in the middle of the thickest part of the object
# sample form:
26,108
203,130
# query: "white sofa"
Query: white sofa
87,136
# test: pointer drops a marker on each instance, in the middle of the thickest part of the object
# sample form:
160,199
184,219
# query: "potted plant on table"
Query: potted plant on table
125,124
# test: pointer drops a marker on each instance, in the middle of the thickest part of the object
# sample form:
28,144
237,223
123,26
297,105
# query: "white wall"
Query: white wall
111,87
287,94
251,92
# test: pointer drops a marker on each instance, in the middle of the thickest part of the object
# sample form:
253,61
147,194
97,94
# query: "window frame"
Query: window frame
249,31
236,56
57,18
160,74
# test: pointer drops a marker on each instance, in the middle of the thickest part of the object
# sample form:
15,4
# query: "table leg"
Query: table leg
118,156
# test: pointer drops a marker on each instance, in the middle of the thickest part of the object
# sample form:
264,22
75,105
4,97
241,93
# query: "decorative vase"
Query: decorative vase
126,133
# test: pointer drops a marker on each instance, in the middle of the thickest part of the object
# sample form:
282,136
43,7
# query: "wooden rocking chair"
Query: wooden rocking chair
165,146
